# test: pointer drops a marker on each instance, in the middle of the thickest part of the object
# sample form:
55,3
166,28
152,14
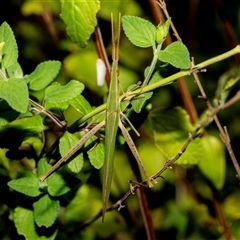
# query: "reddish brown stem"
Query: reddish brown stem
102,53
222,219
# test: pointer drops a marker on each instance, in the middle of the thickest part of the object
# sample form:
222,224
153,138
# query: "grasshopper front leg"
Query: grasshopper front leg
73,150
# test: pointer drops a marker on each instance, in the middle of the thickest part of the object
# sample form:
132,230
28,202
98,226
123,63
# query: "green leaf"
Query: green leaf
81,105
24,222
42,167
29,124
27,185
15,71
9,53
56,185
137,104
123,105
21,129
45,211
96,156
15,92
171,128
33,124
139,31
225,84
56,107
60,94
176,54
43,75
1,50
66,143
155,76
80,18
212,163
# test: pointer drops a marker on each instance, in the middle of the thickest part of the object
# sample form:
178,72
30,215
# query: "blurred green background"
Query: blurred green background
184,205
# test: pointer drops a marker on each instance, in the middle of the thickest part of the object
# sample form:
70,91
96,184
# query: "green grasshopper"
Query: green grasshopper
112,121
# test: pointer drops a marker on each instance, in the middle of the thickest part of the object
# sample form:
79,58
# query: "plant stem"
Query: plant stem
218,58
158,84
153,64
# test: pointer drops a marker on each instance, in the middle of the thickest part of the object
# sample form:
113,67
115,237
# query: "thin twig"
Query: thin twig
40,108
223,133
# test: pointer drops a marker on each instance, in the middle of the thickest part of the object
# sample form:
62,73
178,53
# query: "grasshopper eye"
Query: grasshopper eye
101,72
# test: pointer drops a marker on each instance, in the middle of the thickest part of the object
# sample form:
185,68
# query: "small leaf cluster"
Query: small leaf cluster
46,205
143,33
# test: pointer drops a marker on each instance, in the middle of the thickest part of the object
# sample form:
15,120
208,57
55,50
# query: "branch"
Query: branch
223,132
39,108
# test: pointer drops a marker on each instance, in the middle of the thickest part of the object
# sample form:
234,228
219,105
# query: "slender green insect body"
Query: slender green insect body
112,120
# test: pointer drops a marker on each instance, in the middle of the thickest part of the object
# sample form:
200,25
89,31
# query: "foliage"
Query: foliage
44,114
